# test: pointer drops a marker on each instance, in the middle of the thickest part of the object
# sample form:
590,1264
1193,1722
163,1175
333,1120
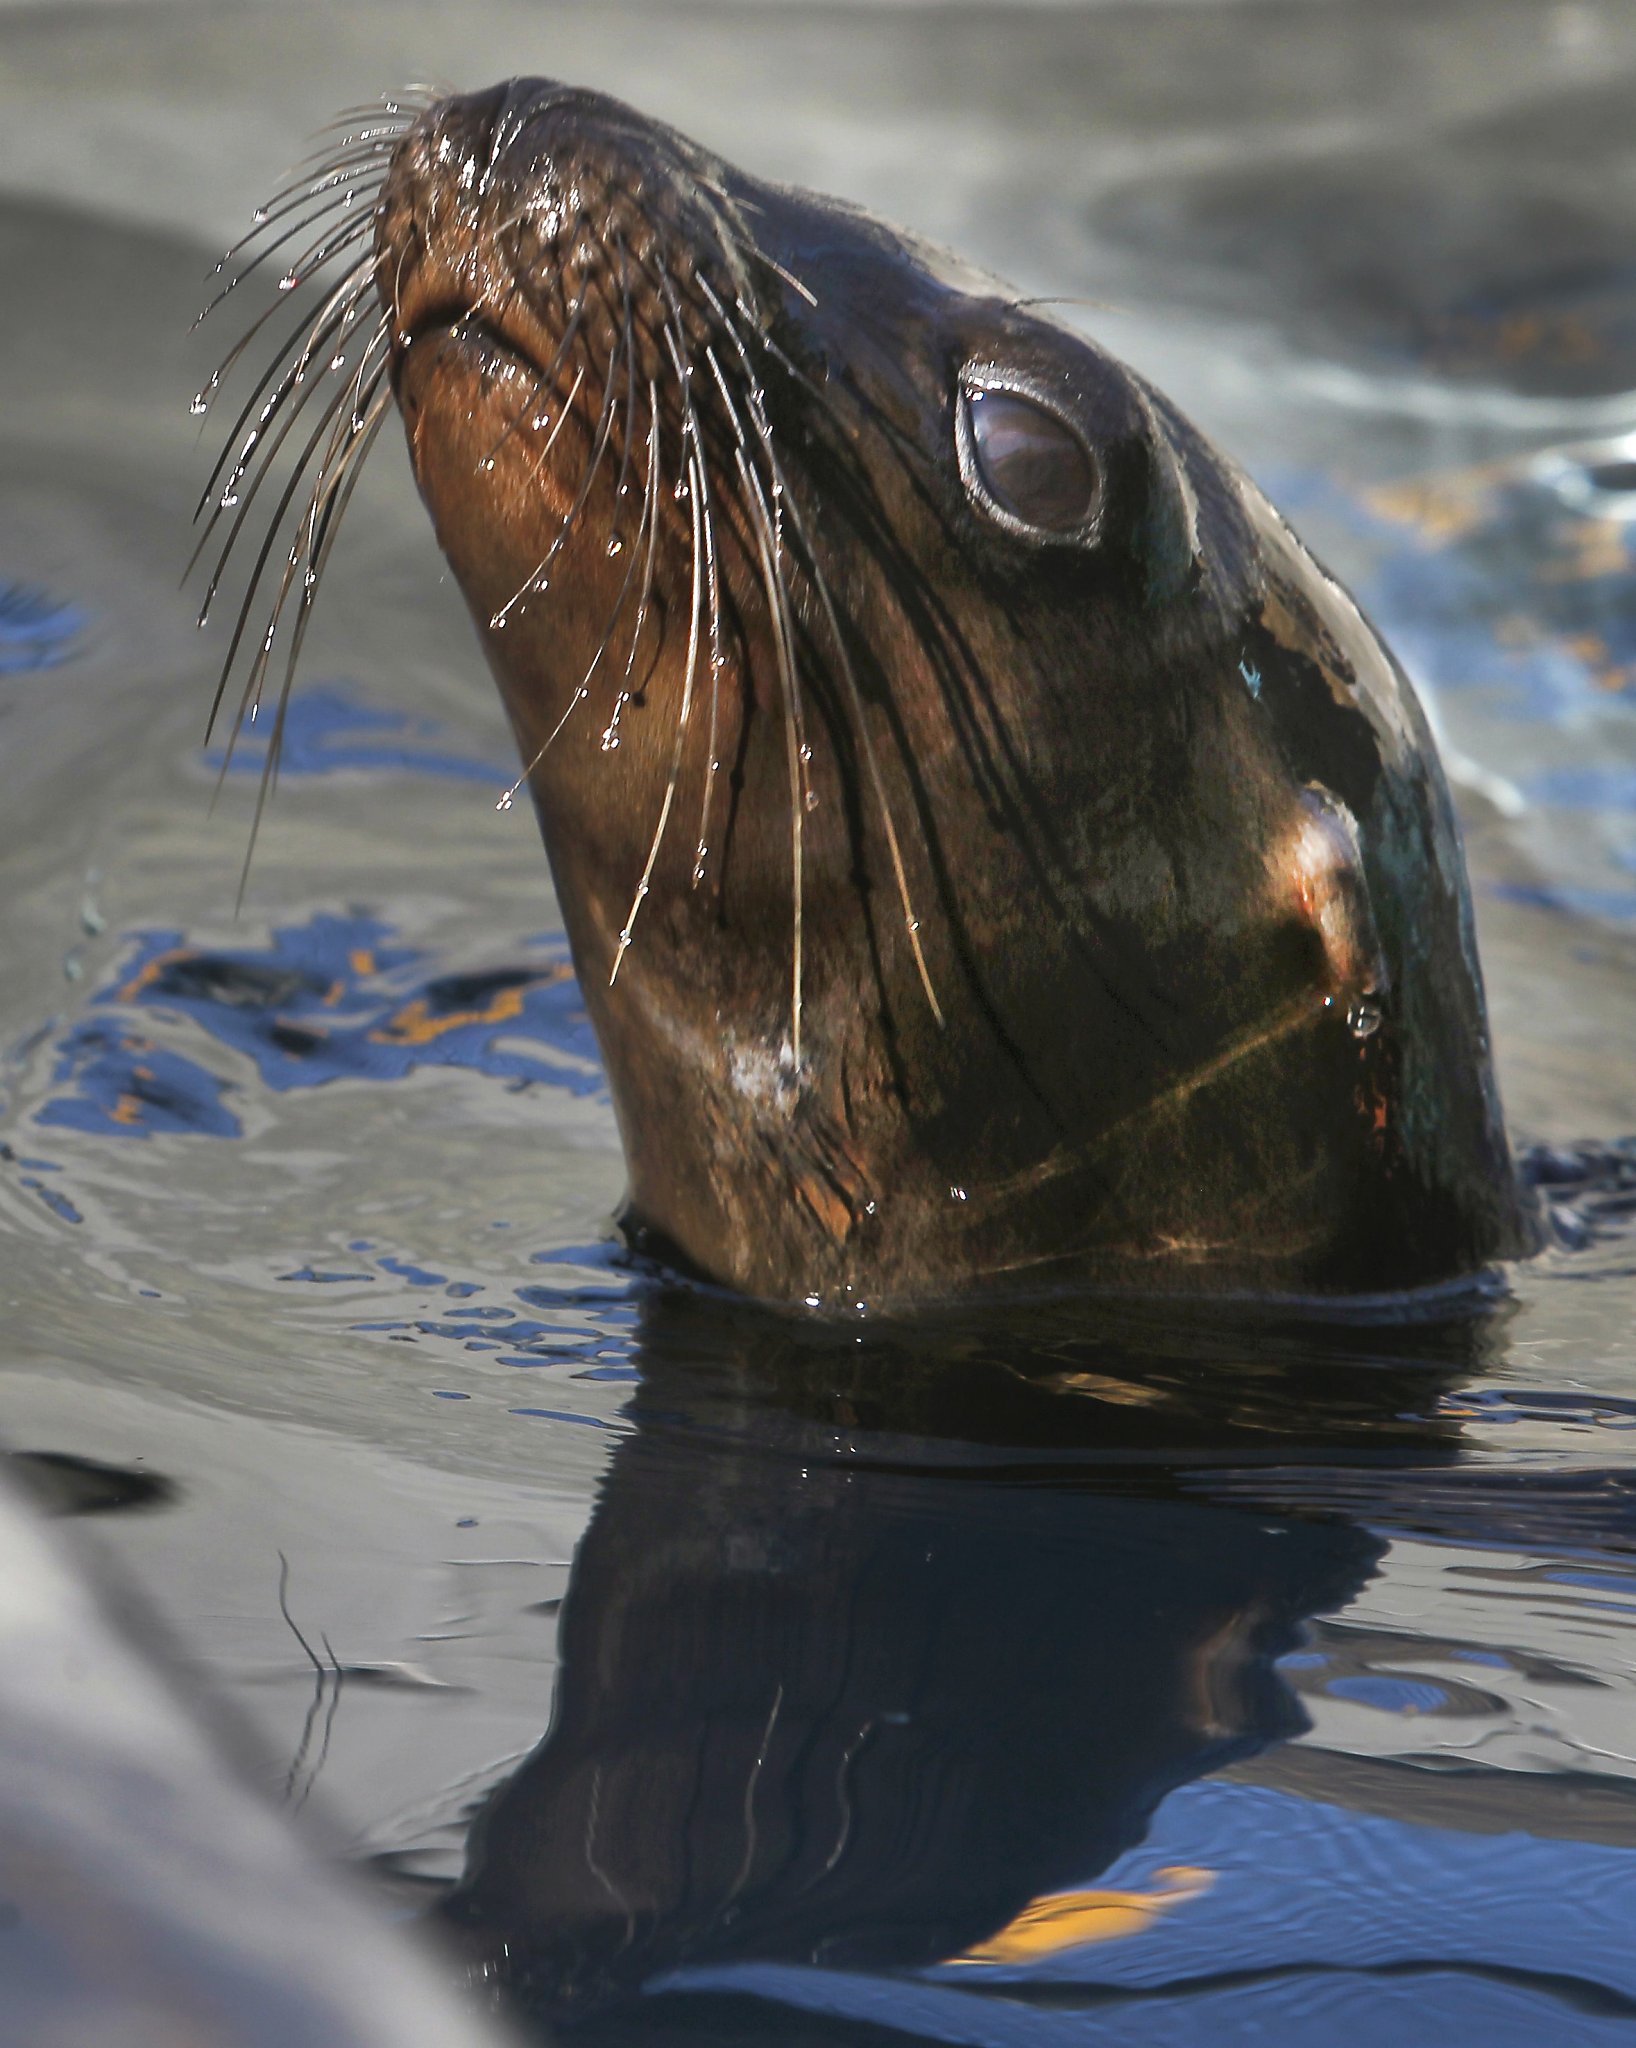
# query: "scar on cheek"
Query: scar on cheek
1319,860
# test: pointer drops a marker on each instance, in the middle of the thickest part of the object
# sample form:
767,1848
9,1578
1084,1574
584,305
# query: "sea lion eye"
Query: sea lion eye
1025,466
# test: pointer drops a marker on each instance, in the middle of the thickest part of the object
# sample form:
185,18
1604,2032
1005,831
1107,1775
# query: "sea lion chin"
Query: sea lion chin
996,856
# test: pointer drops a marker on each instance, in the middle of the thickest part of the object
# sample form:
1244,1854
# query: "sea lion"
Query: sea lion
996,856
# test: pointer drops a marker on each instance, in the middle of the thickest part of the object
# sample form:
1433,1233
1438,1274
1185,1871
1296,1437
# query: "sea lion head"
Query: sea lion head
994,854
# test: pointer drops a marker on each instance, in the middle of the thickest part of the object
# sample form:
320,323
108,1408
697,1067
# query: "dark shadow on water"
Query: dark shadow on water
877,1636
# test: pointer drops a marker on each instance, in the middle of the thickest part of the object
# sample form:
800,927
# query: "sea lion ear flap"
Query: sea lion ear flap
1167,534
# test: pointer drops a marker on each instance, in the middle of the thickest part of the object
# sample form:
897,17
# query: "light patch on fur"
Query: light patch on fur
1320,859
762,1074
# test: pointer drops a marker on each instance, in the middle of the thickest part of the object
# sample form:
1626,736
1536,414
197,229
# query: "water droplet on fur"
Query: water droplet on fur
615,545
1363,1019
957,1194
806,753
487,462
812,799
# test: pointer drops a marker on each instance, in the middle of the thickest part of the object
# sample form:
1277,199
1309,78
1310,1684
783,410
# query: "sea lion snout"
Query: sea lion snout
493,201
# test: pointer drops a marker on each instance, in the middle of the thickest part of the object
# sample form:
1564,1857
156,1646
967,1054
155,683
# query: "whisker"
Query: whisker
323,529
791,280
273,526
588,478
324,487
315,254
711,764
337,186
261,454
683,710
855,702
604,641
768,546
651,490
543,382
201,403
335,333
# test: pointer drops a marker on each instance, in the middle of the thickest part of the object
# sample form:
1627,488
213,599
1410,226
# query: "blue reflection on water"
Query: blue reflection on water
37,631
1382,1929
327,729
326,1000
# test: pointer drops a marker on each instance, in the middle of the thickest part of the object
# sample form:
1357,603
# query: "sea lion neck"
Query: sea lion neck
994,854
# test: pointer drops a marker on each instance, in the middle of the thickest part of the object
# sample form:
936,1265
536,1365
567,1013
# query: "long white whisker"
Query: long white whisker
681,721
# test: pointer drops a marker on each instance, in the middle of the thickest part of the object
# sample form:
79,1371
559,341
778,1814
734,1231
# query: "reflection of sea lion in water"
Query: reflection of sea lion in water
995,854
841,1695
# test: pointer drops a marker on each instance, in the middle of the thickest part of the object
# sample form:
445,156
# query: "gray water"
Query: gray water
1381,253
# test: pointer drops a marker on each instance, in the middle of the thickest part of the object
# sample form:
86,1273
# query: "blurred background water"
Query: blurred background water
1301,1668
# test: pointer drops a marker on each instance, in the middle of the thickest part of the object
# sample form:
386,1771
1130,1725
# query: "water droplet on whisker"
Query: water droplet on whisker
615,545
289,281
1363,1018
